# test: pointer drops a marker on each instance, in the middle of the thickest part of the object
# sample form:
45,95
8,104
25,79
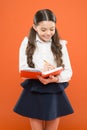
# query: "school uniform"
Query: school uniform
45,102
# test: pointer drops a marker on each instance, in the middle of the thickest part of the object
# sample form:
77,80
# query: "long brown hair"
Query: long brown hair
44,15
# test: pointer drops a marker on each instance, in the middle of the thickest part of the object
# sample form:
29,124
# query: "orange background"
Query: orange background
16,19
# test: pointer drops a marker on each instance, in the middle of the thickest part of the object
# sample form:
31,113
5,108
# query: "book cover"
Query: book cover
33,73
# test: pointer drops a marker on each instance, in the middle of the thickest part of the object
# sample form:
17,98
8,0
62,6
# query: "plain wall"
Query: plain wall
15,22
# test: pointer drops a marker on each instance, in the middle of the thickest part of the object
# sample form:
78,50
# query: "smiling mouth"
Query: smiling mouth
47,37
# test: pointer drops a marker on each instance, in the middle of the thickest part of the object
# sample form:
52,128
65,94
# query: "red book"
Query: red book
33,73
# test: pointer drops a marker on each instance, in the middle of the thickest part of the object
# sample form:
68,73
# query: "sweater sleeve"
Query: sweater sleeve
66,74
22,55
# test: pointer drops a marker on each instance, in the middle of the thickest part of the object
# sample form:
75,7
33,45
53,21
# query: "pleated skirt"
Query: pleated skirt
43,106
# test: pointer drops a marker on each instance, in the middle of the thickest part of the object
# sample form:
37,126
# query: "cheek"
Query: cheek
53,33
39,32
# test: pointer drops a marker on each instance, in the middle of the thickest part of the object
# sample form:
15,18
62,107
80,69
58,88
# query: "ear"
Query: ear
35,27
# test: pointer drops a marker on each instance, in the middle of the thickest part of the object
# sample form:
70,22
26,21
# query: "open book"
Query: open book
33,73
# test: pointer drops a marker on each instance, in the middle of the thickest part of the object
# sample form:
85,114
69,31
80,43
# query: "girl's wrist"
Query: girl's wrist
54,78
57,79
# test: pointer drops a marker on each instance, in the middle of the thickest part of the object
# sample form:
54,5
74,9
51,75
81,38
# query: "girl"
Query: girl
43,100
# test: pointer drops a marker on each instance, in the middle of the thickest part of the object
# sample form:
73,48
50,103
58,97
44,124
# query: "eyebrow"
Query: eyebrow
46,28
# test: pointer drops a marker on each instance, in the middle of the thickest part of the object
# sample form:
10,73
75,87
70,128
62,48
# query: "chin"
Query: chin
46,40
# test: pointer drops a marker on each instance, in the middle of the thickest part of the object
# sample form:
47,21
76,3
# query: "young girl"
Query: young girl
43,100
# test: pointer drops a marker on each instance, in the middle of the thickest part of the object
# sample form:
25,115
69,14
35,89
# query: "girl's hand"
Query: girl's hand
47,66
50,79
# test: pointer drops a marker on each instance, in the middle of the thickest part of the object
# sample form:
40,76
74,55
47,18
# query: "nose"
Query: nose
48,32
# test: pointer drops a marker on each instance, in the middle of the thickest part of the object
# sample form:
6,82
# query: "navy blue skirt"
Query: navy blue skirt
46,105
